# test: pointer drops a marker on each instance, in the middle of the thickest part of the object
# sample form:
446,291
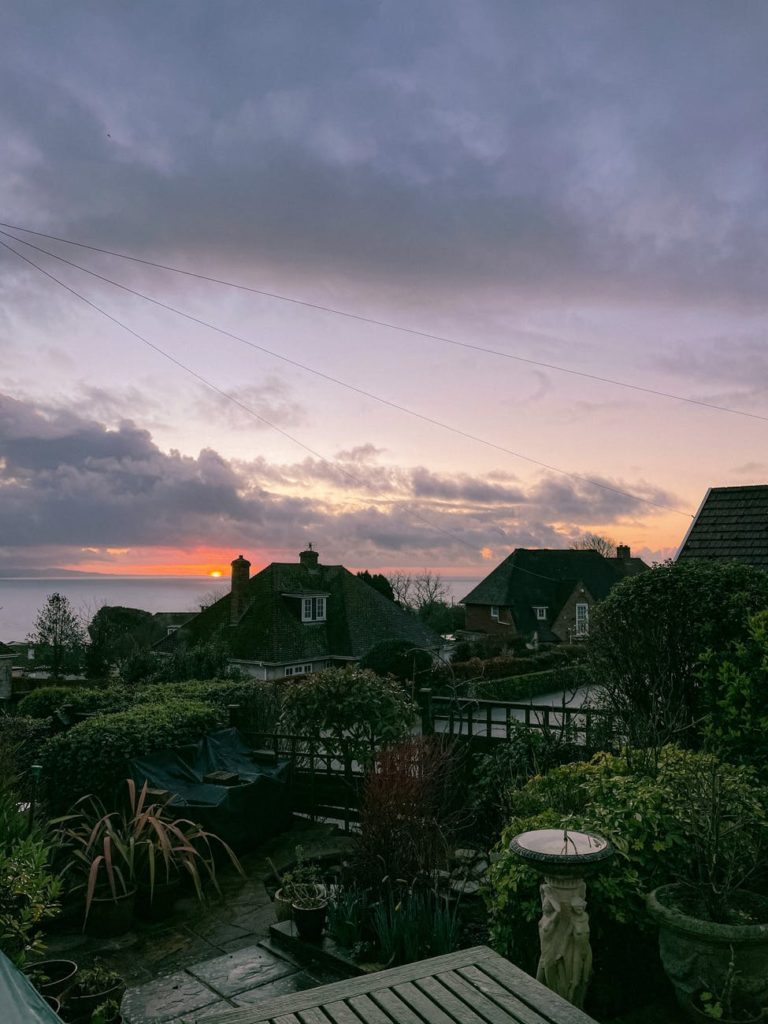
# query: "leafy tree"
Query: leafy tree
379,582
116,633
59,628
647,638
351,707
604,546
398,658
735,695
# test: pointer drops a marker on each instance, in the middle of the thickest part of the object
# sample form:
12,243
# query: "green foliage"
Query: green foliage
21,743
414,924
45,701
658,825
350,707
442,617
648,635
735,696
348,913
94,756
258,703
116,633
29,889
398,658
532,684
203,661
59,629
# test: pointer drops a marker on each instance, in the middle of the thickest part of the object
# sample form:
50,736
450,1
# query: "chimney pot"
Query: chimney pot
623,552
309,557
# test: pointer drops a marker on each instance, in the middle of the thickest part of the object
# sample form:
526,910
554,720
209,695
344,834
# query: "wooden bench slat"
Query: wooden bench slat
395,1008
550,1005
341,1013
368,1011
487,1008
508,1001
444,998
426,1008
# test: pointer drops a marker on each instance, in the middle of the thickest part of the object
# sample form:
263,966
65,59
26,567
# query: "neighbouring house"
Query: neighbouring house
298,617
546,595
730,526
6,671
169,622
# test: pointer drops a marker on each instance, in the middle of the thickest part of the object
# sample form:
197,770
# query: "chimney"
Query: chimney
309,558
240,577
623,553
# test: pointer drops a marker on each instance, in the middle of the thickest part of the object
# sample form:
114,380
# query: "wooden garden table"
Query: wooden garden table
473,986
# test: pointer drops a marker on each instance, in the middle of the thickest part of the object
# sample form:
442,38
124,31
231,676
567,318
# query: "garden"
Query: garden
675,781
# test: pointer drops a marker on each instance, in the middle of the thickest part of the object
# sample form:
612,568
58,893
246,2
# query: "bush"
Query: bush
21,743
94,756
258,703
350,707
533,684
647,638
203,661
398,658
650,821
47,700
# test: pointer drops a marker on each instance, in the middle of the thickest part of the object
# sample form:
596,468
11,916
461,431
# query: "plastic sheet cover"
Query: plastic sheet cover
20,1002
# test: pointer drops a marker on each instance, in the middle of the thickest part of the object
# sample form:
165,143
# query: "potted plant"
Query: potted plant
725,1005
713,931
96,987
167,850
294,881
52,977
309,904
107,1013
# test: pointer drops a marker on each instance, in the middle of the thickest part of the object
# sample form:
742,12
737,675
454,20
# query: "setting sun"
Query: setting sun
215,572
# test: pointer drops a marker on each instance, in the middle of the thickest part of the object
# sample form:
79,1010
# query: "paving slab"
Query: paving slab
245,969
285,986
166,998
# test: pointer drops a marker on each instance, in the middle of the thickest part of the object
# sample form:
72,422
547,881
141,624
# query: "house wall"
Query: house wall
257,671
478,617
564,626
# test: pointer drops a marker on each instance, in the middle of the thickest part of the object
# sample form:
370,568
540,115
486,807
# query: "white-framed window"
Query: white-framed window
313,609
541,612
582,618
298,670
494,611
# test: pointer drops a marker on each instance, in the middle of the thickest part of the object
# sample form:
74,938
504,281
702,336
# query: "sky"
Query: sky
581,185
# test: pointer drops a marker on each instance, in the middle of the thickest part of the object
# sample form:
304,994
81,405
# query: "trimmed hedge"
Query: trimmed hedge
503,667
47,700
259,704
94,756
534,684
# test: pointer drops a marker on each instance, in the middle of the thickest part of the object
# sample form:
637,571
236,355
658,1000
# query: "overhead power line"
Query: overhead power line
246,408
427,335
341,383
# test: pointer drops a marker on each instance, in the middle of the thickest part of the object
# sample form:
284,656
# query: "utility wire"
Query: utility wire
428,335
349,386
236,401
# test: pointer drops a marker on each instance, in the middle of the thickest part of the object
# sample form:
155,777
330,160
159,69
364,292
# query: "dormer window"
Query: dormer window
540,611
494,611
313,609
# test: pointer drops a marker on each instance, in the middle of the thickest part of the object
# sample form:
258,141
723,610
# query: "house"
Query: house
297,617
546,594
730,526
6,671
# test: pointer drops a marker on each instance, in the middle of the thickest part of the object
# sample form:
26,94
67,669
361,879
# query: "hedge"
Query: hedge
94,756
503,667
534,684
47,700
259,706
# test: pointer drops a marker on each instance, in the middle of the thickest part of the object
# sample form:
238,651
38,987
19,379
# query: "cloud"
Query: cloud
69,484
576,151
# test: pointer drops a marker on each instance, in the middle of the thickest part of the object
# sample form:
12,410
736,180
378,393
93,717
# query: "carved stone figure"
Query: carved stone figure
566,956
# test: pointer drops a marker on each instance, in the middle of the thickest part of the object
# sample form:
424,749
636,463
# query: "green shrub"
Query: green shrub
398,658
94,756
21,743
47,700
650,819
350,706
259,707
533,684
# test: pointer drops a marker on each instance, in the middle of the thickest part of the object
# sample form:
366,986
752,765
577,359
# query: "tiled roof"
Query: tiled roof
730,526
530,577
270,628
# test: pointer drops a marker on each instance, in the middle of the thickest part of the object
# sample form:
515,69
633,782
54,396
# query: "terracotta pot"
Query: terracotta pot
696,952
310,923
108,917
80,1008
61,974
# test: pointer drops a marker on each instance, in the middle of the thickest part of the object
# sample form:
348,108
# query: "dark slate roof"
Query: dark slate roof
166,619
546,576
730,526
270,628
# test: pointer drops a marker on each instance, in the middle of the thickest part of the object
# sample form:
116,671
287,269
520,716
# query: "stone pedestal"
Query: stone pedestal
565,963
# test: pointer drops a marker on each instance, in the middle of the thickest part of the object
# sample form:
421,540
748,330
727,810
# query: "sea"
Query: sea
21,598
